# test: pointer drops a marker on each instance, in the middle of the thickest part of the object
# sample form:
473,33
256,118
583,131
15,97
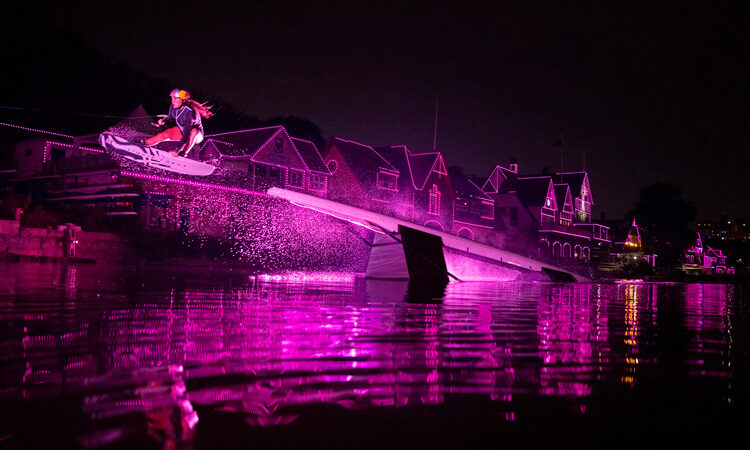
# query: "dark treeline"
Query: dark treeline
665,218
53,80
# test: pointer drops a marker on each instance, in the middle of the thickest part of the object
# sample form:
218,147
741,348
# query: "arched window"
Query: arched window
556,249
434,225
466,233
434,206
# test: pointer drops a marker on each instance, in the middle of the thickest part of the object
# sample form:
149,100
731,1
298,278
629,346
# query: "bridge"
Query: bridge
464,259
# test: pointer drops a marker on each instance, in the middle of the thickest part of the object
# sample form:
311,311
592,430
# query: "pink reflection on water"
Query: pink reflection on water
264,349
708,316
573,333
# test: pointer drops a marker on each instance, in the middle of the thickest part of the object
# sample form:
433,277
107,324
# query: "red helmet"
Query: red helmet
181,93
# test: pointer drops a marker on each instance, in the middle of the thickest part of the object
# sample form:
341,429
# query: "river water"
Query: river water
177,357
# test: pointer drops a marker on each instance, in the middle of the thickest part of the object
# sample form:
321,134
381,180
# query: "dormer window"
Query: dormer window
387,181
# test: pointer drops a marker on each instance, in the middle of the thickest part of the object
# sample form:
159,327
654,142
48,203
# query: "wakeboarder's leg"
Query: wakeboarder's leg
196,137
170,134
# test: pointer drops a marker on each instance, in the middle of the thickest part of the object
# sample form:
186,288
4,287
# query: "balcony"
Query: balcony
556,228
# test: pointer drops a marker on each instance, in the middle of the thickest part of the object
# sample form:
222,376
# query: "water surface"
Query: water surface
111,357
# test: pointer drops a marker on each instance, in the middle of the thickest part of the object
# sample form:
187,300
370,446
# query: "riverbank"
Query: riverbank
67,242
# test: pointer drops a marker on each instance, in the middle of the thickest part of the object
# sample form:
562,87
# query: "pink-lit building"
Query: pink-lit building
392,180
269,157
628,246
546,214
705,260
474,210
425,179
77,175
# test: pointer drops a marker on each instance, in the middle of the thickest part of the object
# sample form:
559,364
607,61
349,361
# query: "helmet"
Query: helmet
183,94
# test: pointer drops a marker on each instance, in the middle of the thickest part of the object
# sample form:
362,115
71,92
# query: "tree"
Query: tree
665,217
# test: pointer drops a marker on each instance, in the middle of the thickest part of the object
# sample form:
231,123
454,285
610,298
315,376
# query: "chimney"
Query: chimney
513,167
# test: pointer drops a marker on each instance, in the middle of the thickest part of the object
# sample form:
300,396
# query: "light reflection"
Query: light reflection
265,347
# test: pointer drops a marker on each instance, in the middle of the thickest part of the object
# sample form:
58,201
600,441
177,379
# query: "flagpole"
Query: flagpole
434,135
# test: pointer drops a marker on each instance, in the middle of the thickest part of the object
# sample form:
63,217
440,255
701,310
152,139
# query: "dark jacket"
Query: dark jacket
187,119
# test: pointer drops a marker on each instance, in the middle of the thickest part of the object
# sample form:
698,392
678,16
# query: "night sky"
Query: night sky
642,92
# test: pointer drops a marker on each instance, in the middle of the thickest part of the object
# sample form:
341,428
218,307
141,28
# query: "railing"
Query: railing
577,231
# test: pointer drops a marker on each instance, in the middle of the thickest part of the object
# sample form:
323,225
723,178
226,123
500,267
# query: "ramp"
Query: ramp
382,223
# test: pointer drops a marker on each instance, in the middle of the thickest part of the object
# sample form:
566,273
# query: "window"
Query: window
56,154
487,210
28,152
274,172
278,145
434,206
296,178
317,182
387,180
514,216
566,218
260,170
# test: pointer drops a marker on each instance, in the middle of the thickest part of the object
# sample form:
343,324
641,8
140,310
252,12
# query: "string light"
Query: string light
219,187
35,130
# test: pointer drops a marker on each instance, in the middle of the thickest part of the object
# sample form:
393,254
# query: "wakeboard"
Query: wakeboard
153,157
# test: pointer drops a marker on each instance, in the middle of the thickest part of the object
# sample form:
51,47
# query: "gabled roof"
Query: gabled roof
466,188
363,159
223,148
562,196
497,177
575,180
422,165
618,228
311,155
532,191
244,143
398,156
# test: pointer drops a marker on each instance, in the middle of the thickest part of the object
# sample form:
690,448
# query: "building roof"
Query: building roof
422,165
465,187
562,192
244,142
574,179
398,156
363,159
311,155
499,174
531,191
